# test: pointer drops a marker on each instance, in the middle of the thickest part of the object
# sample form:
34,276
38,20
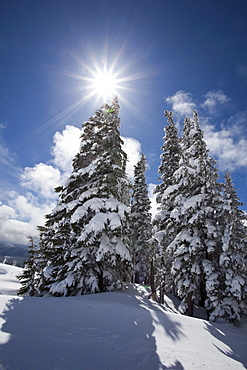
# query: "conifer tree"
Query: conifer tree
140,223
232,258
99,259
85,246
195,199
28,278
170,157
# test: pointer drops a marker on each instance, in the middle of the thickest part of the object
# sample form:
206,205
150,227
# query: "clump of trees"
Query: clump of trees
100,234
199,228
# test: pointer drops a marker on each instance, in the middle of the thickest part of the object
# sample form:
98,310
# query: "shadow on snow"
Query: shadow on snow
98,331
232,337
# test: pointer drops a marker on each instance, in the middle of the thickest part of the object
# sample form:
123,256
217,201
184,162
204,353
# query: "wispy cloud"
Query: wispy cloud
213,100
5,157
226,139
242,71
9,169
228,144
182,103
3,125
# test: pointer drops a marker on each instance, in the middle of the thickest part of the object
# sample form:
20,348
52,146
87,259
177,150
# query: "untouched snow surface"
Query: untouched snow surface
117,330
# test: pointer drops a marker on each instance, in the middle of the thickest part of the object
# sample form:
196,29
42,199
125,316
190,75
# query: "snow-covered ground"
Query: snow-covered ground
118,330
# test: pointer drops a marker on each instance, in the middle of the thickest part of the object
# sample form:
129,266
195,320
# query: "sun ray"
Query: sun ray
101,79
65,113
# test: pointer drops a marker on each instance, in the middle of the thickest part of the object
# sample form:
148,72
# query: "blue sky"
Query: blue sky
176,55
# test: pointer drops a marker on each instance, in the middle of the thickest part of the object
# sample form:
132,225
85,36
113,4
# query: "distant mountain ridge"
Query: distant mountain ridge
13,249
13,254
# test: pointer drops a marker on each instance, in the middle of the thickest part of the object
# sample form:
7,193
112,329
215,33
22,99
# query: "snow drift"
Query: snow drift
117,330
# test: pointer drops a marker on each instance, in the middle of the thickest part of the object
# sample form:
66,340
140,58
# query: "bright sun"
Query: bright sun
104,84
99,80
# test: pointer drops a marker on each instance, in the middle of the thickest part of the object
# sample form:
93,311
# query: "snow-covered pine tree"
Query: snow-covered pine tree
85,239
55,236
170,157
54,244
141,229
195,202
28,278
233,257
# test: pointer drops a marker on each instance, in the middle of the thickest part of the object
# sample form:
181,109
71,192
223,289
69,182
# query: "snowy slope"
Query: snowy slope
117,330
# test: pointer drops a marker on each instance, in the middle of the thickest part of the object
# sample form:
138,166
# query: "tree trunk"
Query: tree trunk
190,304
133,271
152,284
137,279
161,297
203,293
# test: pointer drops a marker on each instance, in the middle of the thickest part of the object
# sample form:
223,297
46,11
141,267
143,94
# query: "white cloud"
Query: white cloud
22,211
226,142
66,145
214,99
132,148
15,231
227,145
6,212
152,198
19,219
182,103
41,179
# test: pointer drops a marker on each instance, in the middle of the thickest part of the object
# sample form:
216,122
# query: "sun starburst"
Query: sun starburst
104,84
100,79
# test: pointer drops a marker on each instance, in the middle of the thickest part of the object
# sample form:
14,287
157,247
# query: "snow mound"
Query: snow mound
117,330
9,285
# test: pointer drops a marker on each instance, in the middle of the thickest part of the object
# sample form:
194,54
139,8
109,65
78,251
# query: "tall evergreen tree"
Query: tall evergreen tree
28,278
141,228
85,239
233,257
170,157
191,226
